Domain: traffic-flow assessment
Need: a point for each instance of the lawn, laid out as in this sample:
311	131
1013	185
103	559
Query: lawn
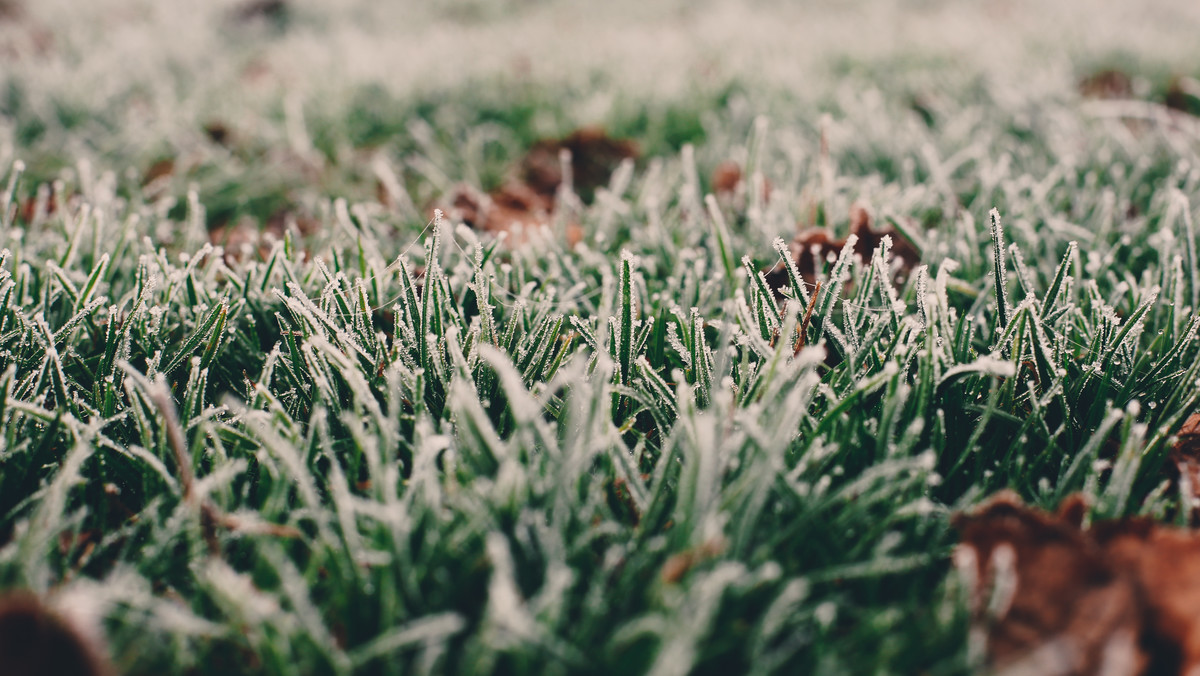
523	337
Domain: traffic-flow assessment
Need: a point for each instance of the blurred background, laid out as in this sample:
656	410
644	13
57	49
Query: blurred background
265	106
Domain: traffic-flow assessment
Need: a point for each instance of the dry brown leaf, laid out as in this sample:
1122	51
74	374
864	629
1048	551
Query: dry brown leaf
729	186
1185	459
814	247
239	242
527	201
219	133
156	181
36	641
1045	597
160	170
39	206
1183	94
1165	566
500	211
594	157
726	178
1109	83
1049	596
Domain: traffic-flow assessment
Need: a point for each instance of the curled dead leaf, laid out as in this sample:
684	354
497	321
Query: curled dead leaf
726	177
594	157
1042	590
219	133
1183	94
1050	596
1185	459
729	187
160	170
1164	564
36	641
528	200
512	209
813	248
1108	83
239	242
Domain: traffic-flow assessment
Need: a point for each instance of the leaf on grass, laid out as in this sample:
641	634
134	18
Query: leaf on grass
507	209
291	217
1165	566
247	239
45	203
36	641
219	133
726	178
1108	83
160	170
1183	94
813	247
729	185
528	199
1050	596
239	242
1185	458
594	157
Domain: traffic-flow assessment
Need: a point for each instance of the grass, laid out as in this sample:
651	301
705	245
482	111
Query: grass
393	445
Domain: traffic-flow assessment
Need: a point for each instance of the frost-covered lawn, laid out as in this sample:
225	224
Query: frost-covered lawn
376	440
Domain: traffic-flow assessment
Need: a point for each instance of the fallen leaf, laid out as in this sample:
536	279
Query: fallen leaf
36	641
729	187
1044	597
527	200
501	211
160	169
39	206
726	178
1049	596
813	248
218	133
1165	566
1185	459
594	157
239	242
1109	83
521	197
1183	94
290	217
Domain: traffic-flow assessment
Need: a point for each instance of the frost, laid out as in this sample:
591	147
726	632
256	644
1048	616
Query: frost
825	614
